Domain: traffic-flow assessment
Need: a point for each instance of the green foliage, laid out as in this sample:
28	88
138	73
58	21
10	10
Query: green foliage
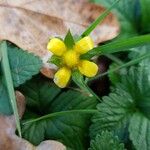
106	141
23	64
22	67
114	112
5	106
128	107
56	114
140	131
69	40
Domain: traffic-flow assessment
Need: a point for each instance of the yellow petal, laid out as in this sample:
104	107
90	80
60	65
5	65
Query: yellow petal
56	46
84	45
71	58
88	68
62	77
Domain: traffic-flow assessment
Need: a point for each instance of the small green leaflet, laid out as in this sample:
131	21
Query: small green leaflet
69	40
106	141
56	60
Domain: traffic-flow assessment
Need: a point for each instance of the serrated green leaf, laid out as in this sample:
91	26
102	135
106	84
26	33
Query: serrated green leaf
69	40
114	112
106	141
57	114
117	111
139	129
23	64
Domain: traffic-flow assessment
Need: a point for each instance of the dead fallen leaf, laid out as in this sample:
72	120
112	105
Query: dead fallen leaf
10	141
30	23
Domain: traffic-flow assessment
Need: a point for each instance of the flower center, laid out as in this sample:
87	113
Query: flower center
71	58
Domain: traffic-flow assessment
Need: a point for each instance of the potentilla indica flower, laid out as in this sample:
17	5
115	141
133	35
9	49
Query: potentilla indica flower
70	59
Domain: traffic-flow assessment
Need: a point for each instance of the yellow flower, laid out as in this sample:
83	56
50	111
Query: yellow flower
62	77
70	59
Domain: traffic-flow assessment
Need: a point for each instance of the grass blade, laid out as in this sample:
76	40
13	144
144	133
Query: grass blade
98	20
9	83
122	45
61	113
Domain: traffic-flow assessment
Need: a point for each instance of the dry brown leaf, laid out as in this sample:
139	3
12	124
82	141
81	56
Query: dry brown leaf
10	141
30	23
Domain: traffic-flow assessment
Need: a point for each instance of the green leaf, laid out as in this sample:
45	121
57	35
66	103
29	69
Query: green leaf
69	40
106	141
53	113
118	110
114	112
23	64
9	83
99	19
55	60
140	131
5	106
118	46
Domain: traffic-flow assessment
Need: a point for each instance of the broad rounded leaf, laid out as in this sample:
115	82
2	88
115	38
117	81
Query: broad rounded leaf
65	114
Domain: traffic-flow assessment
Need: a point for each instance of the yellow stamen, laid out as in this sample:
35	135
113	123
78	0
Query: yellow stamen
56	46
71	58
62	77
84	45
88	68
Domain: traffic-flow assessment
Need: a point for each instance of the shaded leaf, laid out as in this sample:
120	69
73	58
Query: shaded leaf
140	131
23	64
60	112
9	140
106	141
114	112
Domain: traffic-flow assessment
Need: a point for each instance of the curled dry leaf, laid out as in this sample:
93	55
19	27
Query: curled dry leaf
30	23
10	141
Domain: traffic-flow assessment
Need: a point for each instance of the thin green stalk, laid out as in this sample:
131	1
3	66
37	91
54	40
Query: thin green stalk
132	62
98	20
61	113
114	59
118	46
9	83
79	80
